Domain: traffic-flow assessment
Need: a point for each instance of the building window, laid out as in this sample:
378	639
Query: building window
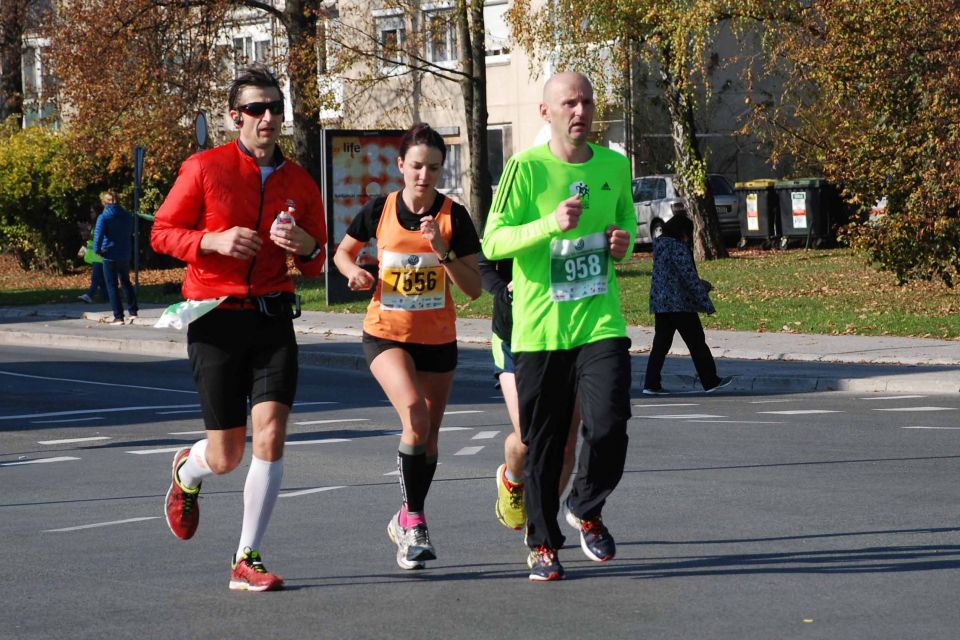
391	38
450	179
497	30
243	51
31	78
498	150
441	36
261	52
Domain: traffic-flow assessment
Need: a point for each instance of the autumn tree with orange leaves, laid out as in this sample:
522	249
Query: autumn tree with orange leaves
872	99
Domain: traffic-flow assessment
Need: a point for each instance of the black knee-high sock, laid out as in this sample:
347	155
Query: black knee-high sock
414	475
431	468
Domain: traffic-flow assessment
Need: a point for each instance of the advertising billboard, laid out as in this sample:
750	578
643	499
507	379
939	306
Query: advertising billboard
359	165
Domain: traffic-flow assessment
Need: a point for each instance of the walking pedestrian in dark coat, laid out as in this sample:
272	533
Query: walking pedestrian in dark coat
677	296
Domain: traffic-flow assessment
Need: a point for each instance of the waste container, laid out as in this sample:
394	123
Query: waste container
758	210
810	209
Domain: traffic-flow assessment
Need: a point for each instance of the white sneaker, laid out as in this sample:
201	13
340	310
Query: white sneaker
85	298
413	544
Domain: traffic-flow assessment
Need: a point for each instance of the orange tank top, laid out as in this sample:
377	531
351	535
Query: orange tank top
412	302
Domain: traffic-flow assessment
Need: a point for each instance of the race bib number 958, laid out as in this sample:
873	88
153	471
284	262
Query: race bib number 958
579	267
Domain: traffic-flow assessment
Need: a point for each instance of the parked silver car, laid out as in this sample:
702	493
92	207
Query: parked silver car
656	200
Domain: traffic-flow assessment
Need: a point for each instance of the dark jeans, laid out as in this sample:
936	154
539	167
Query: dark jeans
112	270
547	385
690	329
96	282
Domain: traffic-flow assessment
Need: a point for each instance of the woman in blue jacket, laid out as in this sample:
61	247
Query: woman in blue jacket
677	296
112	241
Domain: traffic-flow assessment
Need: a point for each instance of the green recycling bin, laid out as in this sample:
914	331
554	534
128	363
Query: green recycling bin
810	210
758	209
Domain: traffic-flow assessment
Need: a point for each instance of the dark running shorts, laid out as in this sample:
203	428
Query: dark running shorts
241	358
429	358
502	356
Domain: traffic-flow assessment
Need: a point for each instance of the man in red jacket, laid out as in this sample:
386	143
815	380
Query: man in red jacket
222	218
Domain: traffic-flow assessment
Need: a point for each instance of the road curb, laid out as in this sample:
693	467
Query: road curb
476	372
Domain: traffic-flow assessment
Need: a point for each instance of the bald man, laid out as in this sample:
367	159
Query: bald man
564	212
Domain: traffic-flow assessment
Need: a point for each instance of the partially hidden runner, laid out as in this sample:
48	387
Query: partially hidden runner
497	277
426	243
234	215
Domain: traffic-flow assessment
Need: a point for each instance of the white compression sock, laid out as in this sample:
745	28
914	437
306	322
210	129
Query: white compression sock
195	469
259	496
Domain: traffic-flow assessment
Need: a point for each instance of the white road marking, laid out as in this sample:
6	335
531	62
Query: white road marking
72	440
186	433
460	413
739	421
100	524
71	420
681	416
103	384
290	443
486	435
918	409
147	452
80	412
654	405
468	451
303	492
170	413
456	428
891	398
936	428
304	404
395	472
800	412
307	422
38	461
771	401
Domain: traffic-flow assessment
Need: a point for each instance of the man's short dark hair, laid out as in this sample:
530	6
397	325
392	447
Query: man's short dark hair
253	76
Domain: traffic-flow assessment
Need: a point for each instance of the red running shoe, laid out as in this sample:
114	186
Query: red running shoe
249	574
181	508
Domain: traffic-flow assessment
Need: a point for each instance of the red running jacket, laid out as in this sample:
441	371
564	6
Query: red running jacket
219	189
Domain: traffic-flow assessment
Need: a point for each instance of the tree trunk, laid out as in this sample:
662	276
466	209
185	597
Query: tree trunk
690	167
12	19
474	88
300	19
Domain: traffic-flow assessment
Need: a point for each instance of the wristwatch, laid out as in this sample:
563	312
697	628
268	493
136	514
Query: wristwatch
448	256
313	254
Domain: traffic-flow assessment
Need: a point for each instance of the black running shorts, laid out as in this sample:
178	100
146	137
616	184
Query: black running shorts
429	358
241	358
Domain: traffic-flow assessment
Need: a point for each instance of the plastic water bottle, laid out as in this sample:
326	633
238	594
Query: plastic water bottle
286	217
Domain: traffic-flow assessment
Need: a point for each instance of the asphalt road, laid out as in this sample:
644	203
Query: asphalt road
825	515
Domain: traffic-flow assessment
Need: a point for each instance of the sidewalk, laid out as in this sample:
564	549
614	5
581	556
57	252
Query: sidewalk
760	362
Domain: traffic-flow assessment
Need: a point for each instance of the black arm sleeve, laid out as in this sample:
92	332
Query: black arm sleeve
465	241
364	225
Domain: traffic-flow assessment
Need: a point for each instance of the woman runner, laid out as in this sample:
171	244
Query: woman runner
425	243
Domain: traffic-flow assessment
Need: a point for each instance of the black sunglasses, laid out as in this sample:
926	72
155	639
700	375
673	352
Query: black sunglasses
257	109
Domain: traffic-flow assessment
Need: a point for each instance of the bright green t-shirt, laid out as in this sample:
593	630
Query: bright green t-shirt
565	290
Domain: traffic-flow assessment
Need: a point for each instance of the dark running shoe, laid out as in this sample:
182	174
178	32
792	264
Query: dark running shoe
723	382
544	565
181	508
596	541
